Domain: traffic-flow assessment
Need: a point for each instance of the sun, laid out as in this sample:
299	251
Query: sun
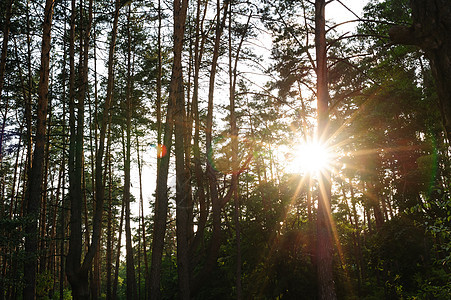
310	157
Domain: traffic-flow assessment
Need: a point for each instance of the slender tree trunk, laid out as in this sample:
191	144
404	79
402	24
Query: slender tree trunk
109	242
358	251
43	246
99	182
95	280
53	252
159	74
143	226
3	55
73	260
118	253
35	181
27	106
96	272
161	209
188	136
234	143
62	216
77	272
63	196
324	249
130	264
3	67
16	166
161	201
212	180
177	97
200	194
2	133
28	115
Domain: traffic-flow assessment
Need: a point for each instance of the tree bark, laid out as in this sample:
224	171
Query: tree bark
215	242
118	253
177	97
77	273
131	288
109	242
198	173
324	247
28	108
161	201
43	246
161	206
234	146
142	224
161	209
159	74
35	180
3	65
73	259
5	44
63	167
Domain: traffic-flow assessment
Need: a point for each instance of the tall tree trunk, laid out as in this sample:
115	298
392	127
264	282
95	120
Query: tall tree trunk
43	211
118	253
200	194
130	264
161	209
76	272
159	74
212	180
234	143
177	97
28	113
35	180
109	234
73	258
100	184
2	71
63	196
5	45
16	166
324	248
142	224
53	252
62	223
2	133
95	280
3	67
161	199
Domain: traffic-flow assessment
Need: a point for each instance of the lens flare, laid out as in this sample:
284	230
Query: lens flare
161	150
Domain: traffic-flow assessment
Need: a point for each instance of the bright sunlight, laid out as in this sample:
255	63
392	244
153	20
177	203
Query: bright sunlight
311	157
308	157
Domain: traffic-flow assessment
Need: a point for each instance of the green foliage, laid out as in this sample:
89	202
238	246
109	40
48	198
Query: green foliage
67	295
44	284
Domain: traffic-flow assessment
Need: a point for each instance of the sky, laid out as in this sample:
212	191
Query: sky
337	12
